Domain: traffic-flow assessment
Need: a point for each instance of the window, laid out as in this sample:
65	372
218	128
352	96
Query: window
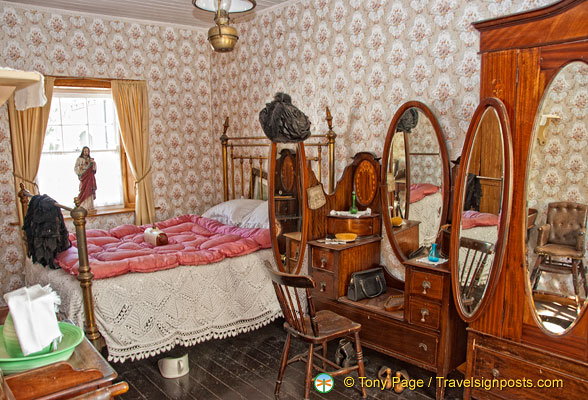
82	116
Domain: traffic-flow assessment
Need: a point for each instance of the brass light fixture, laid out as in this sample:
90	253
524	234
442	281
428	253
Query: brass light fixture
222	36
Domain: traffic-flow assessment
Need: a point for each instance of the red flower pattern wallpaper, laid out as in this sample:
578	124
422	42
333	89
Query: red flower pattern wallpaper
362	58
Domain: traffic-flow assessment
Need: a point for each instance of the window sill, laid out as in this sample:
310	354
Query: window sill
105	211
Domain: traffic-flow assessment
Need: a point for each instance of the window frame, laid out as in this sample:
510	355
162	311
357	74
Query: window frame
127	178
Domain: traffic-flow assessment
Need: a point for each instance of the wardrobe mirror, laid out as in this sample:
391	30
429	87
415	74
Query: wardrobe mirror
557	198
416	172
483	193
287	199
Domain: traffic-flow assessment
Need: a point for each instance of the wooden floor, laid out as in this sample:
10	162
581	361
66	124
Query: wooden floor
245	367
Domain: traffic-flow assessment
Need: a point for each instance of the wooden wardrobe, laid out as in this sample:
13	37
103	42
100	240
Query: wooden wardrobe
520	55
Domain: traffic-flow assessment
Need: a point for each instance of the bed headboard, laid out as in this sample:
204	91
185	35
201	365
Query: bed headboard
242	161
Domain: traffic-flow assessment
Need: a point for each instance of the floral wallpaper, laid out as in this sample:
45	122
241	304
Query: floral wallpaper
362	58
558	169
422	141
175	62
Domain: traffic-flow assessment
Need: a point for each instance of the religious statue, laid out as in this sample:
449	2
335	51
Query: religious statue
86	170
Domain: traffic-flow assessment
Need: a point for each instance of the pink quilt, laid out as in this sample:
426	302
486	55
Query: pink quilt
418	191
471	219
193	240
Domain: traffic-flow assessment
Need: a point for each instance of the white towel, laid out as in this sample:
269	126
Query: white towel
33	313
367	211
425	260
31	96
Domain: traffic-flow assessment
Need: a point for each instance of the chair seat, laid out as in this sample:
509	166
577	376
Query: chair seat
559	250
330	325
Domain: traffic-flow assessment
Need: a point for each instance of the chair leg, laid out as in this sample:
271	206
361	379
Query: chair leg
582	270
308	380
360	365
536	272
284	363
324	355
575	278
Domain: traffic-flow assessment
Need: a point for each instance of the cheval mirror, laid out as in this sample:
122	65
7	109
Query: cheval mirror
287	200
415	172
483	193
557	198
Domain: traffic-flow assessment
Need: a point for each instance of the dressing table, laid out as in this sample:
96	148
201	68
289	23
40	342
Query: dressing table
426	331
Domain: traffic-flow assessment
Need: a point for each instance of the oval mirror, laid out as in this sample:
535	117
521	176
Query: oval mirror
483	193
557	198
416	175
287	199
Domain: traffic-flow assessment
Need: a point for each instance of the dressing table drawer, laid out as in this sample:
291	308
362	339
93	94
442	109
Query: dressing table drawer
341	260
324	281
424	313
422	347
426	284
323	259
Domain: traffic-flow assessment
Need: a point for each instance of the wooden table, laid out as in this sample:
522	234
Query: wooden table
84	371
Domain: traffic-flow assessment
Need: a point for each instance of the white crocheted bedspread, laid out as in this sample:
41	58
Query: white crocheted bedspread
428	212
144	314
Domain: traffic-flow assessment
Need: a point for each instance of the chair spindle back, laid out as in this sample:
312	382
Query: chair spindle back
473	265
288	289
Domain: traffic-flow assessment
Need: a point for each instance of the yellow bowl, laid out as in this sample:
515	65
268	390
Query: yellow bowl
348	237
396	221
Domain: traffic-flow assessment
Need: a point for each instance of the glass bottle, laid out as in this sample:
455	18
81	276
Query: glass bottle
434	254
353	209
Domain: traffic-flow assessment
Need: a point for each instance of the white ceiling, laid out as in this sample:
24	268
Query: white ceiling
165	11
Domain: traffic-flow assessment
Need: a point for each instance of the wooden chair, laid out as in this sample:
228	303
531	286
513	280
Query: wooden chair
563	237
316	328
471	270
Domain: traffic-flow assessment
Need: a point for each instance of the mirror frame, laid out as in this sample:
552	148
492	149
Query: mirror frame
385	164
506	203
301	161
532	143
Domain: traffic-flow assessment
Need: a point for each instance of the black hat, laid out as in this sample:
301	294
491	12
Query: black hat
282	122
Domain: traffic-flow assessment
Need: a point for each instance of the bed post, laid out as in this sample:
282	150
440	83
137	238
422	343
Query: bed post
78	215
331	146
224	141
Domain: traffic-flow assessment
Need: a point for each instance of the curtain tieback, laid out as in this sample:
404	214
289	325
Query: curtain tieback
137	181
26	180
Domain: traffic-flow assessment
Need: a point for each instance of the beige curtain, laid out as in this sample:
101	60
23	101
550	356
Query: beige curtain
132	108
27	131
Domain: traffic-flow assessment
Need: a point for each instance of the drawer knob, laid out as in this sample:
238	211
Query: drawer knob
423	346
495	372
424	314
323	286
323	262
426	286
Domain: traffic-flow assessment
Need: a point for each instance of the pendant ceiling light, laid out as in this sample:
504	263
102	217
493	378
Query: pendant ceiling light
222	36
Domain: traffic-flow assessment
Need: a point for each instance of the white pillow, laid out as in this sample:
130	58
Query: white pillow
233	211
258	218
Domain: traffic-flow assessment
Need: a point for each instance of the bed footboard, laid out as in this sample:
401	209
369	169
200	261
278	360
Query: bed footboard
85	276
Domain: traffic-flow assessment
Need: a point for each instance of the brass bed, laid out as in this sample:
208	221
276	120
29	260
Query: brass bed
235	157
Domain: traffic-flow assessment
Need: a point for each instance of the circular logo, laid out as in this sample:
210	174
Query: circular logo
323	383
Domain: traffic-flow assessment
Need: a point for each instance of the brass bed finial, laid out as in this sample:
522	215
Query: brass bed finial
331	135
